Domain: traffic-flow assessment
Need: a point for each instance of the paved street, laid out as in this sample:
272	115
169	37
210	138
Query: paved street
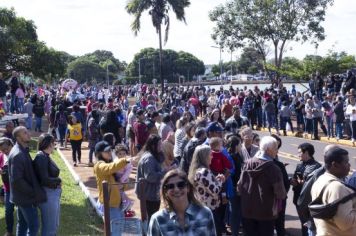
288	154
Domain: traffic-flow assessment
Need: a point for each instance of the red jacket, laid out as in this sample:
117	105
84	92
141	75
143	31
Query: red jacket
141	133
219	162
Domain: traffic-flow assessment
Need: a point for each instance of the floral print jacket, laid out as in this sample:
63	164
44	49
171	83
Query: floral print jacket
207	188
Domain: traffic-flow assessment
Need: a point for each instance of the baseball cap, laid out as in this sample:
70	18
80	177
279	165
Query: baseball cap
102	146
214	127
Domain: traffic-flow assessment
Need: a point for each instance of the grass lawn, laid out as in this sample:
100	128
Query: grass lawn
77	216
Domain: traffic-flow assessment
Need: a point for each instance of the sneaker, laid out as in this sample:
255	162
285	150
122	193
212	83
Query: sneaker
75	164
129	214
90	164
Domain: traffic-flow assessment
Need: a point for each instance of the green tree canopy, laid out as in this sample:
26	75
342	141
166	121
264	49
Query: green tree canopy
18	39
84	70
266	23
174	64
96	65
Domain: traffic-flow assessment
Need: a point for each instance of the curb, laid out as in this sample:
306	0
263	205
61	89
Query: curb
308	137
79	182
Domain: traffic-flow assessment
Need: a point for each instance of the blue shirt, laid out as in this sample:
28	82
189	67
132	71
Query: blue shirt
198	222
265	157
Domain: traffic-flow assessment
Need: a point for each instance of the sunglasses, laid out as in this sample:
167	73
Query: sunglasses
179	185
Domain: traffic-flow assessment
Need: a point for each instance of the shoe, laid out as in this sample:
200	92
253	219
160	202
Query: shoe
90	164
129	214
75	164
8	234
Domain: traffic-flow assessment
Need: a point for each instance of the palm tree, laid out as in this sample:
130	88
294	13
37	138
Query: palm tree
159	11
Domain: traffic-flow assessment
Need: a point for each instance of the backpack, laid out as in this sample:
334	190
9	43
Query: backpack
62	120
305	198
319	210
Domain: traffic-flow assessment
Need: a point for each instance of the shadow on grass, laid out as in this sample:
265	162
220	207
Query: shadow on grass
75	220
80	220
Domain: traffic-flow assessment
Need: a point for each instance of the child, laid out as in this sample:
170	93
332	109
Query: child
219	162
75	136
123	177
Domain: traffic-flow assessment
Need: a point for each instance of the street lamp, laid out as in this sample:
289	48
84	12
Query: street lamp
107	74
220	49
139	68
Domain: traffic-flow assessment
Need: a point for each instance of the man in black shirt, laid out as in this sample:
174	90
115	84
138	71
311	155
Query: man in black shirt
26	192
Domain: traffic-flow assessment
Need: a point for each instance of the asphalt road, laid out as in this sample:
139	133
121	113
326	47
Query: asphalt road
288	153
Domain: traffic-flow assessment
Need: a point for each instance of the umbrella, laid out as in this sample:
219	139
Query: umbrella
234	101
194	101
69	84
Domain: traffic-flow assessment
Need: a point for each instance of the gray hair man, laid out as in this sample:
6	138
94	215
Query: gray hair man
261	189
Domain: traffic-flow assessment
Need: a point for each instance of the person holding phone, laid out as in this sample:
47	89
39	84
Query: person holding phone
308	165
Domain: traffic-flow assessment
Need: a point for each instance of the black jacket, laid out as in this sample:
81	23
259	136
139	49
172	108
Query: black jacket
3	88
24	186
285	176
304	169
46	170
339	113
188	154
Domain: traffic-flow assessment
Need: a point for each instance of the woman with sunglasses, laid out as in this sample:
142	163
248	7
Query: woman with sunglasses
182	213
48	175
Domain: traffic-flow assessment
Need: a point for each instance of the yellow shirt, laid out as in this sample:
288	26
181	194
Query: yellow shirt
104	171
75	132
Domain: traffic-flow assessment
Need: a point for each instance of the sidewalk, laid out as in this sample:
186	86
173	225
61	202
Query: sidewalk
87	177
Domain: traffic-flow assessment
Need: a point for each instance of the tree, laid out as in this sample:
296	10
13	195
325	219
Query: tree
18	41
159	11
84	70
250	61
47	62
264	23
174	64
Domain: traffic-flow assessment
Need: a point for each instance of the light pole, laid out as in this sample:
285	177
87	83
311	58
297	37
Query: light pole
107	74
231	65
220	62
139	69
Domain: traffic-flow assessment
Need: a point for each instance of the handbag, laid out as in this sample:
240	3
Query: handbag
319	210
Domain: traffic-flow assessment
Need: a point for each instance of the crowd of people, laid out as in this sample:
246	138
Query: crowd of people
206	171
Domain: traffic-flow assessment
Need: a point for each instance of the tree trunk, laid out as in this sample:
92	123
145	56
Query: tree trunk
160	59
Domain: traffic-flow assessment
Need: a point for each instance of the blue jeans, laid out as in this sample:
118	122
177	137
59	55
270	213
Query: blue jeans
9	213
271	119
50	212
308	126
259	116
38	123
27	221
236	214
353	129
13	104
4	103
339	130
29	122
330	125
62	132
20	103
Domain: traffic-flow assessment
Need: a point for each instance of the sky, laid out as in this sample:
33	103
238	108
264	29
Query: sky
83	26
